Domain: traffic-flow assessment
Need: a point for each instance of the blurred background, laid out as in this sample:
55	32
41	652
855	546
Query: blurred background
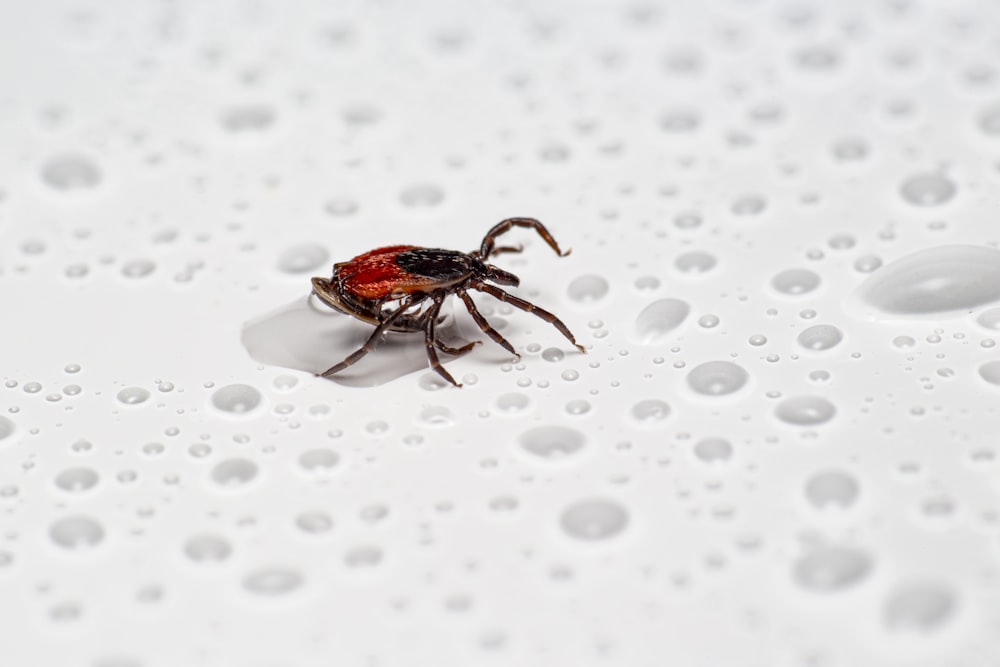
780	448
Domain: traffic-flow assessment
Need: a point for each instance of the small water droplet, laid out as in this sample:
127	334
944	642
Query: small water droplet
588	288
794	282
919	607
70	172
302	258
928	189
234	472
273	581
77	480
820	337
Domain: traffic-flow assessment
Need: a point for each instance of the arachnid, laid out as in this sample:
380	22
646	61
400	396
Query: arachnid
412	277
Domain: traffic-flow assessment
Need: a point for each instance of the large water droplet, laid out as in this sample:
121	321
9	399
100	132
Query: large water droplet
658	319
946	279
76	532
133	395
76	480
919	607
315	460
7	428
207	549
717	378
831	568
805	410
651	411
302	258
588	288
234	472
594	519
928	189
236	398
990	371
247	118
794	282
552	442
820	337
71	172
832	488
273	581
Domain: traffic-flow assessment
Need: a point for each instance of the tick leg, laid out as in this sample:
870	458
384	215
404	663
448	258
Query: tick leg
455	351
373	340
528	308
487	248
430	340
484	325
499	250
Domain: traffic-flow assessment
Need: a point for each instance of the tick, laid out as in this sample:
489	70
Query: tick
401	288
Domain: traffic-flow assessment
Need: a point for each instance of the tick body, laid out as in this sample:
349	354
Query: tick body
402	288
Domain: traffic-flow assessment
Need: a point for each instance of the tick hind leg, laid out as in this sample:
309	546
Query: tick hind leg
529	308
455	351
383	327
488	248
485	325
430	341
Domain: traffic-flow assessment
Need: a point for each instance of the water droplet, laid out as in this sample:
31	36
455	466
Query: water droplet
990	371
513	402
341	207
302	258
805	410
553	354
919	607
651	411
436	416
695	261
928	189
594	519
247	118
713	449
76	532
7	428
794	282
832	488
421	195
314	522
820	337
578	406
273	581
70	172
989	319
363	556
208	549
939	280
828	569
236	399
234	472
138	268
717	378
552	442
133	395
659	318
77	480
587	289
315	460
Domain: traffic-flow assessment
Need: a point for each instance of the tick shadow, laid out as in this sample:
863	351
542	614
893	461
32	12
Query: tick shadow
307	336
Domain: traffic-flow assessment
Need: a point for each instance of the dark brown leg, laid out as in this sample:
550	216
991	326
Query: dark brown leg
529	308
376	337
470	305
456	351
487	247
429	339
499	250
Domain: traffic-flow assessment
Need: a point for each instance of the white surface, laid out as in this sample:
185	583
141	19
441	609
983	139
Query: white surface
173	171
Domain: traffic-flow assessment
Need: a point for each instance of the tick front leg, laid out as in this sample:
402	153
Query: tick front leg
430	340
528	308
373	340
470	305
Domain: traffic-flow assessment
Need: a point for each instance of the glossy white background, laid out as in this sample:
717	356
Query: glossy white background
717	482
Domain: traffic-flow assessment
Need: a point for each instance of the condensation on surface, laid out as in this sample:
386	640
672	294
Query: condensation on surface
779	448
